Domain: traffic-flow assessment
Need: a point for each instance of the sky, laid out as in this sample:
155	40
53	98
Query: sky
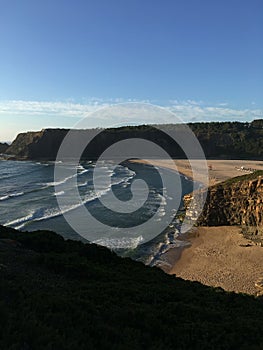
62	59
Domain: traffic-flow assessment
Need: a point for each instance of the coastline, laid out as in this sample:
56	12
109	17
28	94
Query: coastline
236	265
218	170
216	256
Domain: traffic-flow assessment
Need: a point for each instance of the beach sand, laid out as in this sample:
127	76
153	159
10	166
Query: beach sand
220	170
220	257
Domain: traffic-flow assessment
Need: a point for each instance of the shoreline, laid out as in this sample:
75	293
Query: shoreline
218	170
216	256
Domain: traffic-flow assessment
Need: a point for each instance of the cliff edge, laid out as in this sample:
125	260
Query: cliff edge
237	201
42	144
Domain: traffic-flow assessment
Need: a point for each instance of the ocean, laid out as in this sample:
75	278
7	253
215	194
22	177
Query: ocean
28	202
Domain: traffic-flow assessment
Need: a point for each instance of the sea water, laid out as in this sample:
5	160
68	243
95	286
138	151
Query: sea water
28	201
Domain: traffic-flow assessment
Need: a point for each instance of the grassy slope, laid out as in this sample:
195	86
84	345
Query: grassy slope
57	294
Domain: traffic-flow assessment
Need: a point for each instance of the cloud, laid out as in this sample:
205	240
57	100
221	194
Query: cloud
223	104
28	108
212	113
187	111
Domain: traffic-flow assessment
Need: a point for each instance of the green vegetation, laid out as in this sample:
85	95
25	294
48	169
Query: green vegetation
57	294
245	177
231	139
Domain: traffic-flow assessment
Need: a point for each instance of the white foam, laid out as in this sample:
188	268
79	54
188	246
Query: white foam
8	196
161	263
161	210
60	193
17	194
20	220
96	195
120	243
157	256
54	212
19	227
80	167
83	184
57	183
42	214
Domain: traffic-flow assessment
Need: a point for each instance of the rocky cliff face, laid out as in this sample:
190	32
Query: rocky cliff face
234	202
3	147
42	144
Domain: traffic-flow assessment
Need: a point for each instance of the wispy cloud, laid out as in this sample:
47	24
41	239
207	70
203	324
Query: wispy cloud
223	104
208	113
187	111
29	108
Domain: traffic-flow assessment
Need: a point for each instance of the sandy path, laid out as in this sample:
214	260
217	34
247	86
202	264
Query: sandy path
219	256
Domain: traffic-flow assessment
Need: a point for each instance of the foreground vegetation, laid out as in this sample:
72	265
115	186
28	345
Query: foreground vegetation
57	294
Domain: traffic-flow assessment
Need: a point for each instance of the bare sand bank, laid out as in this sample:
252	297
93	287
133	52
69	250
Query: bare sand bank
220	257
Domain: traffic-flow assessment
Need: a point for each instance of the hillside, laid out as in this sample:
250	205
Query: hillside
228	140
57	294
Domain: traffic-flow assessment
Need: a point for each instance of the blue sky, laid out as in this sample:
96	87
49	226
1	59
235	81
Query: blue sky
61	59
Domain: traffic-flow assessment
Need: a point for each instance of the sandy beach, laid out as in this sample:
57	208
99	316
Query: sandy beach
220	257
218	170
217	256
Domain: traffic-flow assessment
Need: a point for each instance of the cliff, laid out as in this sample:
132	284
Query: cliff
238	201
42	144
219	140
3	147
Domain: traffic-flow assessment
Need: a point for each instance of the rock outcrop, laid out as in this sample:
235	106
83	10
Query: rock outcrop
42	144
3	147
238	201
